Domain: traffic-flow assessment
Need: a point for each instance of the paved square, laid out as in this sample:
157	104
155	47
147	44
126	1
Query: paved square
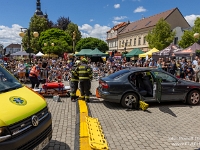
165	126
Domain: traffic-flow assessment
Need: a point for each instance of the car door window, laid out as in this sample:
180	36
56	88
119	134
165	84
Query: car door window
165	77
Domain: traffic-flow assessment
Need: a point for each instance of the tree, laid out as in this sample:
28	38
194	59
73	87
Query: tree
62	23
71	28
160	36
188	36
50	24
37	24
62	41
91	43
187	39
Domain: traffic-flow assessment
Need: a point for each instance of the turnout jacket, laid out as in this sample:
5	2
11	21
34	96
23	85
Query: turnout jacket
74	73
84	72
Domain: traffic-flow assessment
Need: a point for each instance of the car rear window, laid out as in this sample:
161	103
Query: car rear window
118	74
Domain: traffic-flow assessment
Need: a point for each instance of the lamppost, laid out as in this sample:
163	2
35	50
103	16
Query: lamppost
196	35
22	34
48	44
74	38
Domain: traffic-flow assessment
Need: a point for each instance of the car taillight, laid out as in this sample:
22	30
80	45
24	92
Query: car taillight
104	85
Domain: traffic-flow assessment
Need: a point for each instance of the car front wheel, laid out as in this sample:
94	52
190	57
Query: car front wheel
193	97
129	99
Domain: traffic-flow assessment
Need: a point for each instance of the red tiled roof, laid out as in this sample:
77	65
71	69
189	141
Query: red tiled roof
118	26
147	22
14	46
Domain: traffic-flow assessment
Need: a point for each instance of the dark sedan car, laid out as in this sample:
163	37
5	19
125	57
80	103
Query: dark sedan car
149	84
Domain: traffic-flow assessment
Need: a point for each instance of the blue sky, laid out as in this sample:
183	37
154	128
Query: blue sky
94	17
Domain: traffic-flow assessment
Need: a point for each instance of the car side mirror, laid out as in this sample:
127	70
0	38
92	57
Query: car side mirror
179	81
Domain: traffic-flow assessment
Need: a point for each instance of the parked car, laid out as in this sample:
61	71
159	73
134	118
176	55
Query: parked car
25	121
149	84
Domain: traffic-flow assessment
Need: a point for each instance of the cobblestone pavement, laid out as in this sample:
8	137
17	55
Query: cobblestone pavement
167	126
63	119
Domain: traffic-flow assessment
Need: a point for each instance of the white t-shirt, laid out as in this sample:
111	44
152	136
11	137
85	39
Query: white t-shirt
195	62
21	67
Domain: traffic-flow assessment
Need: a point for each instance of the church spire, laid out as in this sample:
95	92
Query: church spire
38	8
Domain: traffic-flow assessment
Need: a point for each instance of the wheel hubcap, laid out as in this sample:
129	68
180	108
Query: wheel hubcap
195	97
129	100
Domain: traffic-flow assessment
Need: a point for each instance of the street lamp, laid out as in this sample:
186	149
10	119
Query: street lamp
196	35
47	44
74	38
22	34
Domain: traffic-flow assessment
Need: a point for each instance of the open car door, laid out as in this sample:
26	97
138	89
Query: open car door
157	87
158	90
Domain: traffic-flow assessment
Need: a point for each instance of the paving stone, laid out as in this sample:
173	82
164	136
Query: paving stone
133	130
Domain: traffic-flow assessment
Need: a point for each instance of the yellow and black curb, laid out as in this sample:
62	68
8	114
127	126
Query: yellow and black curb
88	133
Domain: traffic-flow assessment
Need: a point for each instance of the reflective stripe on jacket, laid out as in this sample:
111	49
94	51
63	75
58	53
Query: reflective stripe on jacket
74	74
84	72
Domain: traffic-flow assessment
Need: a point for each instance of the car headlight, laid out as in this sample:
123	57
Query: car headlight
4	134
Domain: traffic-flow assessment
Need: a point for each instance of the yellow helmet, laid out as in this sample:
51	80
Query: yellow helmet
84	60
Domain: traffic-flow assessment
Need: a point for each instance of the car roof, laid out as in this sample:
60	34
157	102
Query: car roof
135	69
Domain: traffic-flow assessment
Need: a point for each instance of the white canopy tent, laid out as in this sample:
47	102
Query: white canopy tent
21	53
39	54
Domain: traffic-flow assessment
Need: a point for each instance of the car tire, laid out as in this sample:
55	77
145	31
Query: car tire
193	97
128	98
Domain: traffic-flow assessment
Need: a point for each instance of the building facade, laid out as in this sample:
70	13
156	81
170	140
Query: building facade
134	34
112	34
12	48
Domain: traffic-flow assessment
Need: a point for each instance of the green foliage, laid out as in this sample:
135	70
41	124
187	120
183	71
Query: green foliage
188	37
62	41
91	43
161	35
71	28
37	24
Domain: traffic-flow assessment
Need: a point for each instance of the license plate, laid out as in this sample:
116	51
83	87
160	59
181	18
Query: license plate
42	145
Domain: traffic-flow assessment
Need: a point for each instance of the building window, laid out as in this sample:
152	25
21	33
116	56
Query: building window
130	42
176	41
139	41
134	41
120	43
144	40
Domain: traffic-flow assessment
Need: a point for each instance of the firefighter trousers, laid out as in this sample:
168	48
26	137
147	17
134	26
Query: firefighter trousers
74	87
85	89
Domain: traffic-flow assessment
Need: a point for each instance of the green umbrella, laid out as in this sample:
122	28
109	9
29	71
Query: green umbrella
84	52
134	52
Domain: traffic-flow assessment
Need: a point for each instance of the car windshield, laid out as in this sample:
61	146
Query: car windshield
118	74
7	81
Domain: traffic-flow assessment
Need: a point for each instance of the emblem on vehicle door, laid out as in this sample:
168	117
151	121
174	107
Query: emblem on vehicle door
18	100
35	121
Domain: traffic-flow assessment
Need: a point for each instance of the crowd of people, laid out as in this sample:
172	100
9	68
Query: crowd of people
58	69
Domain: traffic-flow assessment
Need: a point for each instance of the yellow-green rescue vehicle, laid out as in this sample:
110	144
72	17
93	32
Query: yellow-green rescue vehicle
25	121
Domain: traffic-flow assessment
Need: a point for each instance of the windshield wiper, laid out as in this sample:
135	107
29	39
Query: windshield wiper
10	89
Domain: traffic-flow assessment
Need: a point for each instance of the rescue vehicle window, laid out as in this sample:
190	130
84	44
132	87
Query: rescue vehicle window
7	81
118	74
165	77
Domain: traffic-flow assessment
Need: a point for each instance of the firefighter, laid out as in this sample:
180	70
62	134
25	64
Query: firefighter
74	81
85	75
34	75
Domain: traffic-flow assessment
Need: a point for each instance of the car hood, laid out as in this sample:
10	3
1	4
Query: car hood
191	83
19	104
